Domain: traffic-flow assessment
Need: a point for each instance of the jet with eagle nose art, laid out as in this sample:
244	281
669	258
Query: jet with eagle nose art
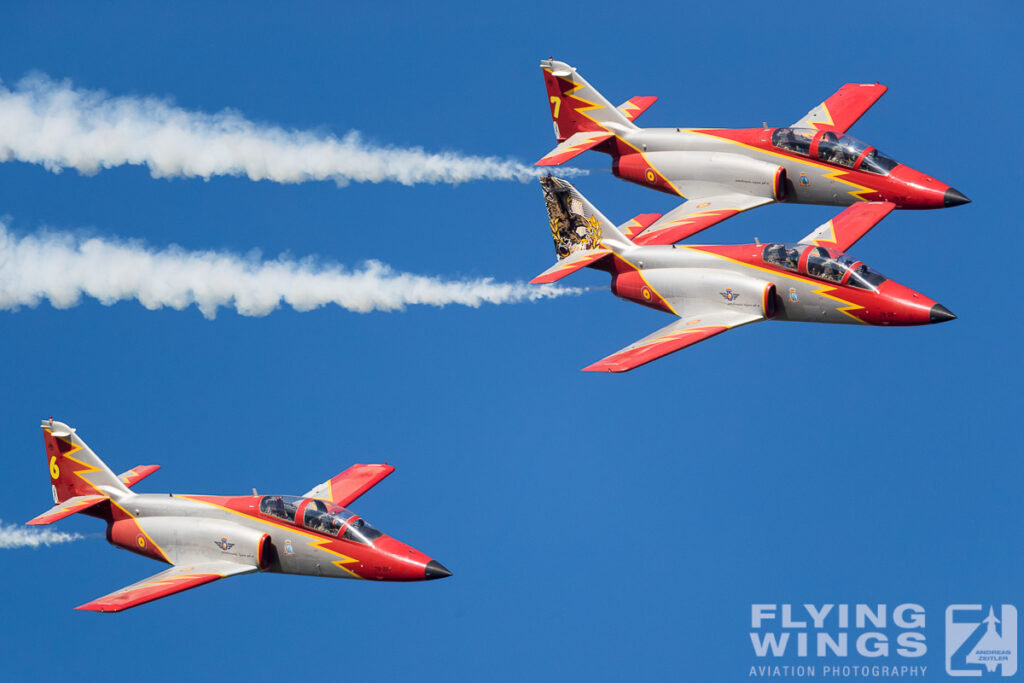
723	171
714	288
206	538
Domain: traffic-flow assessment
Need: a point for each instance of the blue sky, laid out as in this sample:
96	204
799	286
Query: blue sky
598	527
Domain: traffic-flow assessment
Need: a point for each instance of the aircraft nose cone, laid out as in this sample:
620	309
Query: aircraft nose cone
938	314
955	198
436	570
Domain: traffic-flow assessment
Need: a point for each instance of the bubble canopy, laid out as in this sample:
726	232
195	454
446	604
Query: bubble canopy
822	264
833	148
321	516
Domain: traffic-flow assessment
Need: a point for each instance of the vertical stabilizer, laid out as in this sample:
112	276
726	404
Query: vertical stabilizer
576	224
74	469
576	106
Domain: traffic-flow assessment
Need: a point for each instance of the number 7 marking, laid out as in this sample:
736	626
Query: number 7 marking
557	102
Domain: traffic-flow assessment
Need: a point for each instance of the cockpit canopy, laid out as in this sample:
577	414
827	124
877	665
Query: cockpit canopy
832	148
321	516
822	264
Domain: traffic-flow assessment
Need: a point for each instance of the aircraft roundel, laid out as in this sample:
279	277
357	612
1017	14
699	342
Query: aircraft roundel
649	174
646	293
140	541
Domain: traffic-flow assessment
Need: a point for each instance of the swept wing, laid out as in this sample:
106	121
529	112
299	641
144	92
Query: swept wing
576	144
570	264
696	214
65	509
174	580
137	474
685	331
842	110
635	106
843	231
350	484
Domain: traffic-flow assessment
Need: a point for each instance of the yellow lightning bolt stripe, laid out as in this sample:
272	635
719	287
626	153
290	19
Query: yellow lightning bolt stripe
573	150
581	110
672	336
822	289
628	227
833	173
316	542
579	263
138	525
77	505
682	221
828	122
340	564
86	469
832	231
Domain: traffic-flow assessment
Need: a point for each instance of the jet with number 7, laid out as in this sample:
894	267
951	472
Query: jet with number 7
723	171
714	288
206	538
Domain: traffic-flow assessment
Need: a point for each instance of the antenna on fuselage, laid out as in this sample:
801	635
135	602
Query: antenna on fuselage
254	491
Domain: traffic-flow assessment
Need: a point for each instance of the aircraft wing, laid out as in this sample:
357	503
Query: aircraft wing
684	332
137	474
696	214
65	509
635	106
350	484
843	231
842	110
576	144
174	580
570	264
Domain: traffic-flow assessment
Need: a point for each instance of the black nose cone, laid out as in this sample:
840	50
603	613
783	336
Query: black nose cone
955	198
938	314
436	570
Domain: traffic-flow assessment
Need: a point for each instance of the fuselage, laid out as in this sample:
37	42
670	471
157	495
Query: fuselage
795	282
800	165
286	534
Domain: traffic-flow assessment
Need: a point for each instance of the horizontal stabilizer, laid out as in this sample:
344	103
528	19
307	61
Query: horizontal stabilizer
638	224
696	214
174	580
842	110
634	106
137	474
66	509
576	144
570	264
678	335
350	484
843	231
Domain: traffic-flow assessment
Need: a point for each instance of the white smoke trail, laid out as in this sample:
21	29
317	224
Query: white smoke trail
15	536
60	268
51	123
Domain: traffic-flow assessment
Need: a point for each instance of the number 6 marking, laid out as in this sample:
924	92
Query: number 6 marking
557	102
54	470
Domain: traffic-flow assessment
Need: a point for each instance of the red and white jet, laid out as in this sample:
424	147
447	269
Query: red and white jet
714	288
206	538
723	171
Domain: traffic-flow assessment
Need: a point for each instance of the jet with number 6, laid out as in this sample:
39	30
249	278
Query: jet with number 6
206	538
714	288
723	171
